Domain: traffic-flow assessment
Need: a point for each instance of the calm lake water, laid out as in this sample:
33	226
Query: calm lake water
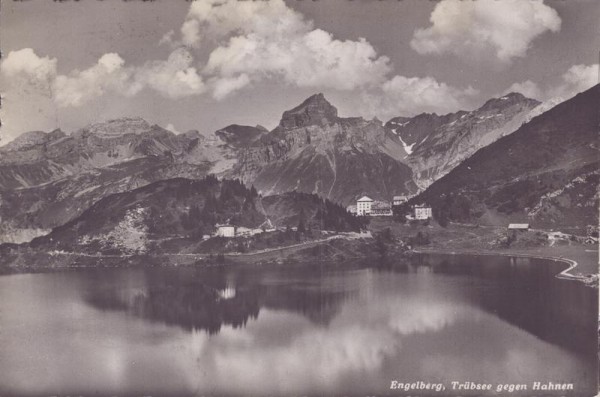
316	330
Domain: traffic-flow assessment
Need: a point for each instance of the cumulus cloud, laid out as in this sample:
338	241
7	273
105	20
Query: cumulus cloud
252	42
411	95
259	40
267	39
173	78
25	65
527	88
576	79
503	28
167	38
225	86
219	18
313	60
190	33
78	87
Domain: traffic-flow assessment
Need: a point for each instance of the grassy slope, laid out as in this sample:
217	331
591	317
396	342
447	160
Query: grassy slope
457	238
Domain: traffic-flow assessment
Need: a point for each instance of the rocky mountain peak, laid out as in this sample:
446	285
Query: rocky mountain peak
508	100
315	110
26	139
33	138
120	126
240	135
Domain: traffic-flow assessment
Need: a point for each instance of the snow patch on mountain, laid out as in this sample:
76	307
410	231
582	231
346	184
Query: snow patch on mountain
408	148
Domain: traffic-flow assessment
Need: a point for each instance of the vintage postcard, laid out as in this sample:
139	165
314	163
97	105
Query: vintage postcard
299	198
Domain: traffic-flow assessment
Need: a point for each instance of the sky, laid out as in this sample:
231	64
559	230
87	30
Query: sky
206	64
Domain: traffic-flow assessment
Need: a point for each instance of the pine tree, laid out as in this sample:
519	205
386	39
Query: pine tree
301	222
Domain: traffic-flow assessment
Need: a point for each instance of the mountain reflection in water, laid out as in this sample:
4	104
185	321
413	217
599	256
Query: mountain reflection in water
202	300
317	330
208	300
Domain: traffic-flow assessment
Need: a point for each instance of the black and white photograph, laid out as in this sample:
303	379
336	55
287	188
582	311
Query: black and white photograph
299	198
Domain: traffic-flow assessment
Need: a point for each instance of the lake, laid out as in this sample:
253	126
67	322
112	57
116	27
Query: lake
324	329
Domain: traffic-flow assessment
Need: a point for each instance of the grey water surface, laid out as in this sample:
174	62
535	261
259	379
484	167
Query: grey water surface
322	329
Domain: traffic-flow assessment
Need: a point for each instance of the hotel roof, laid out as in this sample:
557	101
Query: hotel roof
518	226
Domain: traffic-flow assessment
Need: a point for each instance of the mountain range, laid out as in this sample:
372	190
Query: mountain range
49	179
314	150
546	172
436	144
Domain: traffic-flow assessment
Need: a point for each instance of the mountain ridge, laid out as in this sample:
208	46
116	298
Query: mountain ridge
436	144
47	179
546	172
313	150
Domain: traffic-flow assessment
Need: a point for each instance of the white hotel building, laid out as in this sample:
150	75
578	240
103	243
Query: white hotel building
363	205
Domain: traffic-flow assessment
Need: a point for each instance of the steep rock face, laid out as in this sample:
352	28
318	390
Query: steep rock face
30	162
437	144
240	136
413	131
32	139
24	161
545	172
46	179
315	151
315	110
119	127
